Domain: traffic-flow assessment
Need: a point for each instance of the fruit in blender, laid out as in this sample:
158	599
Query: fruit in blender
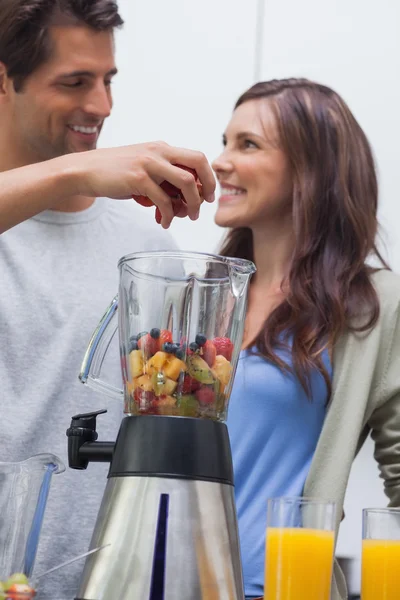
205	396
224	347
181	379
148	345
188	405
222	369
174	367
155	363
199	369
136	362
144	382
162	385
209	352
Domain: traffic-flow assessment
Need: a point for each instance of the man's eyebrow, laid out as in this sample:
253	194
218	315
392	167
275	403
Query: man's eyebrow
110	73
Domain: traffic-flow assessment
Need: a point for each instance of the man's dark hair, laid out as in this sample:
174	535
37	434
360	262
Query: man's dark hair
24	25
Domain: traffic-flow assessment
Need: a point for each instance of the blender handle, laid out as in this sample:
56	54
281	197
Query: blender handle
96	351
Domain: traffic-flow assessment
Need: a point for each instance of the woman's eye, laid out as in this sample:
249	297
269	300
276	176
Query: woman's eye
249	144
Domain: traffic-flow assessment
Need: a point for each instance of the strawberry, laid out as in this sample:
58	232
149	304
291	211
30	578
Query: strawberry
205	396
176	207
209	352
148	344
143	200
173	192
224	347
165	336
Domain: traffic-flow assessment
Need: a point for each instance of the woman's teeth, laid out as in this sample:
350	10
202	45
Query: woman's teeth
231	192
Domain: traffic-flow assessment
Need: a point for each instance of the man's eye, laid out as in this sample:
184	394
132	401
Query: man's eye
73	84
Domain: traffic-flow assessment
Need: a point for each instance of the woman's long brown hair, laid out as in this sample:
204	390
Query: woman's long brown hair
335	197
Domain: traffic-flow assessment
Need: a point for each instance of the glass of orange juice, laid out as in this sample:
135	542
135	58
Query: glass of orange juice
380	563
299	549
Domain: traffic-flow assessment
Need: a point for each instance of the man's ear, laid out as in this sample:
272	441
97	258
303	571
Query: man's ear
4	80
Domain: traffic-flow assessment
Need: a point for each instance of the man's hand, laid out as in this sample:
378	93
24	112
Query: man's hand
122	172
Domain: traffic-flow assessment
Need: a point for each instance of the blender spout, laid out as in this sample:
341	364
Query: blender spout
240	272
83	446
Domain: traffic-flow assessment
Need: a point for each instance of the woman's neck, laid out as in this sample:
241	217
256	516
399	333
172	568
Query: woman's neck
272	250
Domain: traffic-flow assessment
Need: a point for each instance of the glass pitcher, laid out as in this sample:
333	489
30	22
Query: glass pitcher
180	322
24	488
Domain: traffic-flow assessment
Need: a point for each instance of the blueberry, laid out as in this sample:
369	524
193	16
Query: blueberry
133	345
174	348
194	347
200	339
155	333
180	353
141	334
133	338
168	347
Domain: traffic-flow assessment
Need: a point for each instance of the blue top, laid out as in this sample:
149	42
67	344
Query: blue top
274	428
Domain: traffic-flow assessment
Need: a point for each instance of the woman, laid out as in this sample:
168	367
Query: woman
320	363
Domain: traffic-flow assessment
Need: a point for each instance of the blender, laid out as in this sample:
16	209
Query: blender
24	489
167	518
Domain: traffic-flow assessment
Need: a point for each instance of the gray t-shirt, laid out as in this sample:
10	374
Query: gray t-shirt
58	273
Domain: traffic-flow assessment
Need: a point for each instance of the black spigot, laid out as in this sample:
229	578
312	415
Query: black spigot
82	445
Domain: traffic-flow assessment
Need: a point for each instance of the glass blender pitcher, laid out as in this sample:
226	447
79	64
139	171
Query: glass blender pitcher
24	488
167	518
180	320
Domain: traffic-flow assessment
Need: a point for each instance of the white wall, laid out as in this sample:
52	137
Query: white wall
183	64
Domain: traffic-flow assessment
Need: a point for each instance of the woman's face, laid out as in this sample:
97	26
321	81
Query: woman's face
253	172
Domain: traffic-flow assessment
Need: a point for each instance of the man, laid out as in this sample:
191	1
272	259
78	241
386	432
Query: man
61	239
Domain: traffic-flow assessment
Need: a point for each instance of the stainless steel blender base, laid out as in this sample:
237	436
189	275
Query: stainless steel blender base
170	539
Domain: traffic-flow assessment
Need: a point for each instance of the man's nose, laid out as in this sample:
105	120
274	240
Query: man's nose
99	101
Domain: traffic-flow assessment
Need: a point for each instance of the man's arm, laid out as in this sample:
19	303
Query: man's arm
117	173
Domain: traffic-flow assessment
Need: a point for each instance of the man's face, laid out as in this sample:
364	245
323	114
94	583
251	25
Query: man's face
62	105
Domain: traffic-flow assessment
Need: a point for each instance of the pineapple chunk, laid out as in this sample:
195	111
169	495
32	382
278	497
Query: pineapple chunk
156	362
144	382
173	367
136	363
222	369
